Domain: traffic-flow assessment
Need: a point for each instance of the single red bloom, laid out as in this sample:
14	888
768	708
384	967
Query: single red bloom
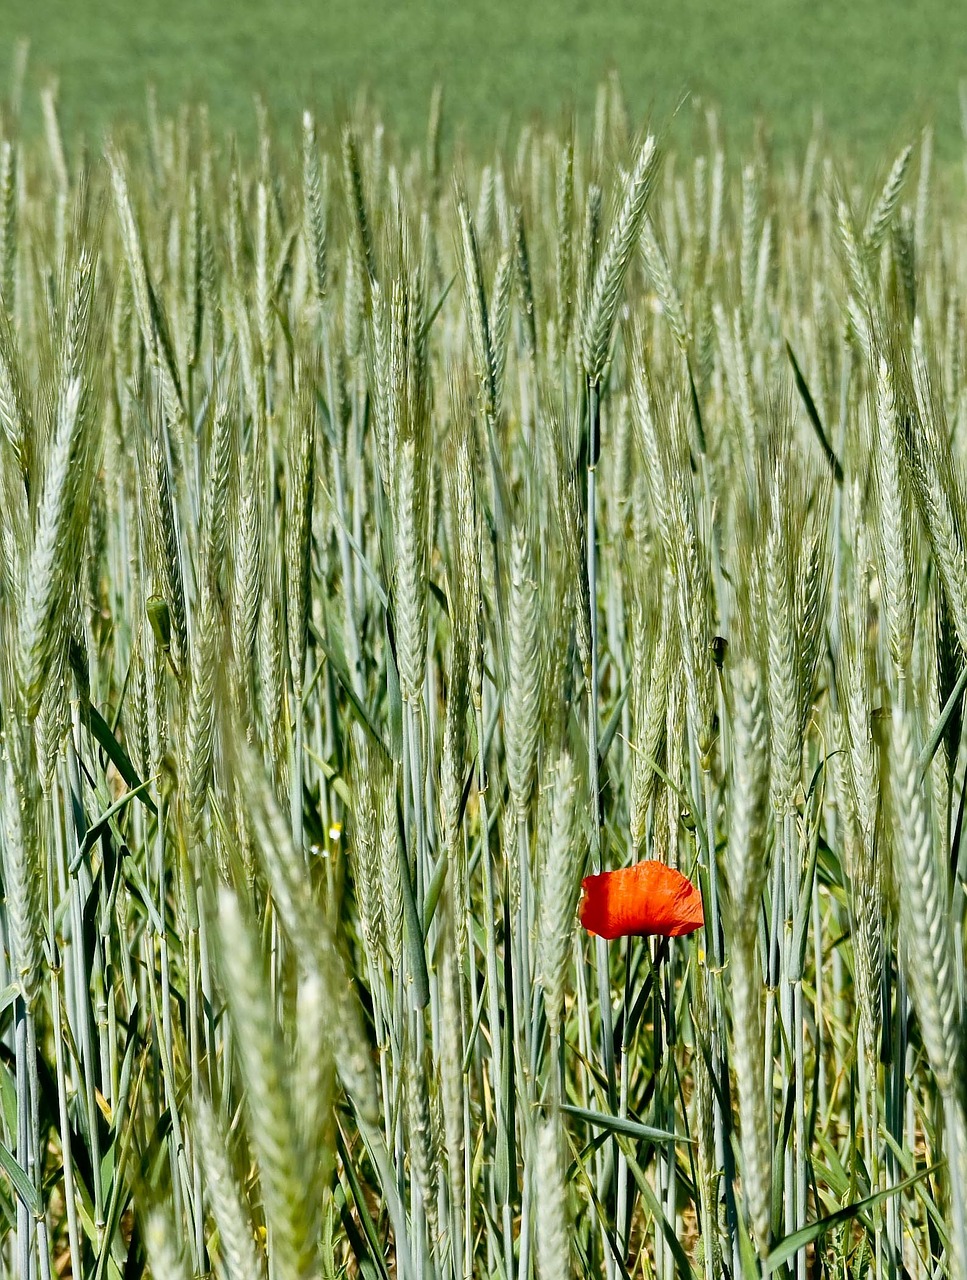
648	898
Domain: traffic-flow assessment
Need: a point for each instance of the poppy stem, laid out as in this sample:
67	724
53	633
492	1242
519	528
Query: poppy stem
621	1189
601	950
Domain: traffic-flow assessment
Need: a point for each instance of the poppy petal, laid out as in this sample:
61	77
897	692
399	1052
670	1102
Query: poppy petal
648	898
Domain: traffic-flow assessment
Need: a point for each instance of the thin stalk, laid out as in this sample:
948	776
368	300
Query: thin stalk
73	1234
25	1155
601	947
523	986
493	1005
719	1045
801	1152
423	869
198	1235
351	629
524	925
956	1137
621	1180
296	768
36	1162
82	1010
787	1056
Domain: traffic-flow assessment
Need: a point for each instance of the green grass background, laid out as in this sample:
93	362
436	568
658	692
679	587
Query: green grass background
877	70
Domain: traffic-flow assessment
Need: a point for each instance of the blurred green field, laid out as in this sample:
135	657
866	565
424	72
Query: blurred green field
877	70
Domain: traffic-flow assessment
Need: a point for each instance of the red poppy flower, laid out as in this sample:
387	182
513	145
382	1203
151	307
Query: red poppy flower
648	898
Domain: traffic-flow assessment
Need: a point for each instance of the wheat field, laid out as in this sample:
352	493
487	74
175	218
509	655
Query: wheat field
388	539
